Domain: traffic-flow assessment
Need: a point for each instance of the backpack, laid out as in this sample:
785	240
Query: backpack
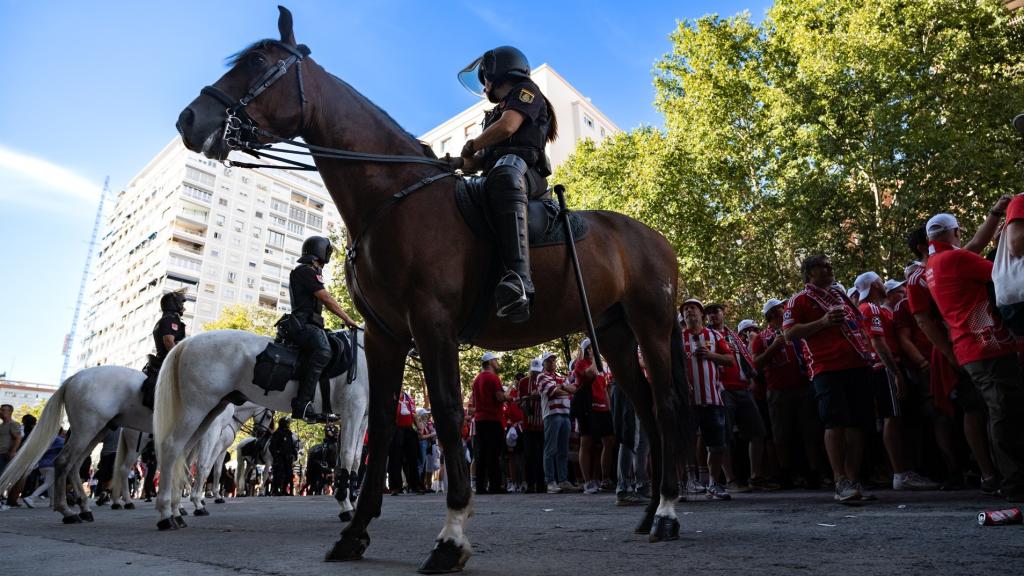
275	366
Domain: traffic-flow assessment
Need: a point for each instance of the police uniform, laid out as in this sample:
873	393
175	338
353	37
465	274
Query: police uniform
170	324
528	141
305	281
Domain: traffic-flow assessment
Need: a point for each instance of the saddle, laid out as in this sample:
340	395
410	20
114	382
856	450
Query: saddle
545	229
281	361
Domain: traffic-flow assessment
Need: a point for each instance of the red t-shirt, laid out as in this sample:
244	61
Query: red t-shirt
903	319
598	385
511	411
532	411
485	397
406	411
732	376
877	321
1015	211
958	281
782	369
704	375
828	350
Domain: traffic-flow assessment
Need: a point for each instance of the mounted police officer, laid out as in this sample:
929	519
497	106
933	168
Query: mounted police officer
308	298
510	151
166	334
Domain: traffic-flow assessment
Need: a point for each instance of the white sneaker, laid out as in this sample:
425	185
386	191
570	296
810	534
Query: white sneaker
695	487
4	507
718	492
591	488
912	481
28	501
567	486
553	488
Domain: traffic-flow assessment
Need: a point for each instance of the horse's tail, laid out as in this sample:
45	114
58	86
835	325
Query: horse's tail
38	441
679	383
167	406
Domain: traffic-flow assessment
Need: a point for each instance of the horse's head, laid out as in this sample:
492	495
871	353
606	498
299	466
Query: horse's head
227	113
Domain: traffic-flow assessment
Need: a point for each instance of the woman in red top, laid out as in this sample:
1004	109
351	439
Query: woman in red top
596	423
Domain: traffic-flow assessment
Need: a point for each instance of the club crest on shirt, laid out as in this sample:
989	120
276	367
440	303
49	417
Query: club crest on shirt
525	96
174	326
876	321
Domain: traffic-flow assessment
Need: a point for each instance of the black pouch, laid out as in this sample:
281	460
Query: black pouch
275	366
289	328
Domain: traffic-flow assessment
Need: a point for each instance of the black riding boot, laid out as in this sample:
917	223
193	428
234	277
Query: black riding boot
506	191
318	355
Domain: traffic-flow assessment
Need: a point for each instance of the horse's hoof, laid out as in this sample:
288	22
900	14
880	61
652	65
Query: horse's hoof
72	519
345	516
348	548
201	512
447	556
219	501
129	506
182	512
115	506
664	528
180	522
86	516
644	527
166	524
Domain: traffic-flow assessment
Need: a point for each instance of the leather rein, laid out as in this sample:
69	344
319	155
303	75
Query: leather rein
243	134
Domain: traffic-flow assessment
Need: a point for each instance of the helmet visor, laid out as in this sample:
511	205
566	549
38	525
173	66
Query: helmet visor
472	78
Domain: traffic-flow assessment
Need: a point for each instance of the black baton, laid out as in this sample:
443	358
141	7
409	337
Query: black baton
564	215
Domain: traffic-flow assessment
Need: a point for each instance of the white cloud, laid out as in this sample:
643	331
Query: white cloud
33	181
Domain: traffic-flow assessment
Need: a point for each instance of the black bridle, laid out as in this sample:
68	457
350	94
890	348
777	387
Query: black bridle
243	134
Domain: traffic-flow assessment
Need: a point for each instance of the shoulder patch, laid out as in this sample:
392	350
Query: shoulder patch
174	326
525	96
319	278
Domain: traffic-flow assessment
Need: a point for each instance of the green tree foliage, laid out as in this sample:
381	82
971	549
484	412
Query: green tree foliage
248	318
833	126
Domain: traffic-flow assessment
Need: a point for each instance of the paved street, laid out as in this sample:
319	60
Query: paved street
781	533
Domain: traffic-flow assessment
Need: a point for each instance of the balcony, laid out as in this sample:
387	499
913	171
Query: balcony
194	235
193	193
197	217
187	247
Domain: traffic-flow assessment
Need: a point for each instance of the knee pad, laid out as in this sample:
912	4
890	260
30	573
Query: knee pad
507	179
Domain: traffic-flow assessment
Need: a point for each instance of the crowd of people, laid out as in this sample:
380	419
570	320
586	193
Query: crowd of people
909	384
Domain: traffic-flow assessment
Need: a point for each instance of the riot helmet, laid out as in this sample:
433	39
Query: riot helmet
173	302
316	247
495	65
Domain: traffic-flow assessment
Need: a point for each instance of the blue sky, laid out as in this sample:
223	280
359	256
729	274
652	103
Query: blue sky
93	89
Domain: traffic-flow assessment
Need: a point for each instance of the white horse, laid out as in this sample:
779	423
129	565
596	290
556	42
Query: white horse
207	456
204	371
249	454
95	399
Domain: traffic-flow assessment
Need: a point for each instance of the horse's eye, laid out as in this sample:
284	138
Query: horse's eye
258	60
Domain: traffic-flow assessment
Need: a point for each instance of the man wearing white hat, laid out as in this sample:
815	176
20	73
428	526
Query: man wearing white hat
556	394
895	291
533	428
958	282
892	393
488	398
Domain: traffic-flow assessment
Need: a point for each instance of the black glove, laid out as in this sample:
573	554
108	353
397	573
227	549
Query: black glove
468	149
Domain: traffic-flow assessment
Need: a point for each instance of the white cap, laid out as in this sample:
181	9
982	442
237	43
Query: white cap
863	283
940	223
851	292
891	285
771	304
421	411
839	286
585	344
536	365
545	355
745	324
488	356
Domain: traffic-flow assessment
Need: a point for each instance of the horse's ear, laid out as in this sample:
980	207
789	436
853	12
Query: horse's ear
284	25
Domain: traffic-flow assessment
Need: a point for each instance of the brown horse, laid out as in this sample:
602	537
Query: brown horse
419	268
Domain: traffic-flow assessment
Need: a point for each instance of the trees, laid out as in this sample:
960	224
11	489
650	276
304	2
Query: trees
833	126
248	318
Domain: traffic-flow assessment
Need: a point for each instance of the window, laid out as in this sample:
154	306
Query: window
252	264
278	220
239	226
245	179
278	205
219	220
232	277
272	270
297	214
446	145
215	253
315	221
259	215
229	293
275	238
602	132
204	178
216	235
209	288
236	241
197	193
295	228
257	232
472	130
588	121
222	201
250	282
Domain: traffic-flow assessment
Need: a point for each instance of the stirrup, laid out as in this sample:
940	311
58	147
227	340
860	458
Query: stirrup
311	417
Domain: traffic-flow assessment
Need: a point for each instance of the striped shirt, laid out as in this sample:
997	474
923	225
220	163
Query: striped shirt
547	382
704	375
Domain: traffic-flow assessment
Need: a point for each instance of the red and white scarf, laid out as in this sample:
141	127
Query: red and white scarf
852	328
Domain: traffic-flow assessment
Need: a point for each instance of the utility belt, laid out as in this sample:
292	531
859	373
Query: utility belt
533	157
291	327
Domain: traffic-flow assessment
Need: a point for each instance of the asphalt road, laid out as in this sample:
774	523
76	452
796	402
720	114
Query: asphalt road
778	533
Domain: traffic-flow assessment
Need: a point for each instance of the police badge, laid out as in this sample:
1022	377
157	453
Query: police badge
525	96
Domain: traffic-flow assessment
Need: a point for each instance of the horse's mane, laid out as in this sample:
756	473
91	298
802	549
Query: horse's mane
271	43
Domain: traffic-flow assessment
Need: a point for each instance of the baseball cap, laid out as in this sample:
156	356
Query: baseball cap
544	357
771	304
863	283
851	292
714	306
940	223
745	324
536	364
488	356
585	344
892	284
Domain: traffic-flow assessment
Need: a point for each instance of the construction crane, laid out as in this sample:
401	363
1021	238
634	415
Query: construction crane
69	340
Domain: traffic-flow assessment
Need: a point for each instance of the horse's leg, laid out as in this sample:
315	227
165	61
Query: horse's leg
654	334
385	363
619	347
126	456
440	356
173	450
74	450
352	398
